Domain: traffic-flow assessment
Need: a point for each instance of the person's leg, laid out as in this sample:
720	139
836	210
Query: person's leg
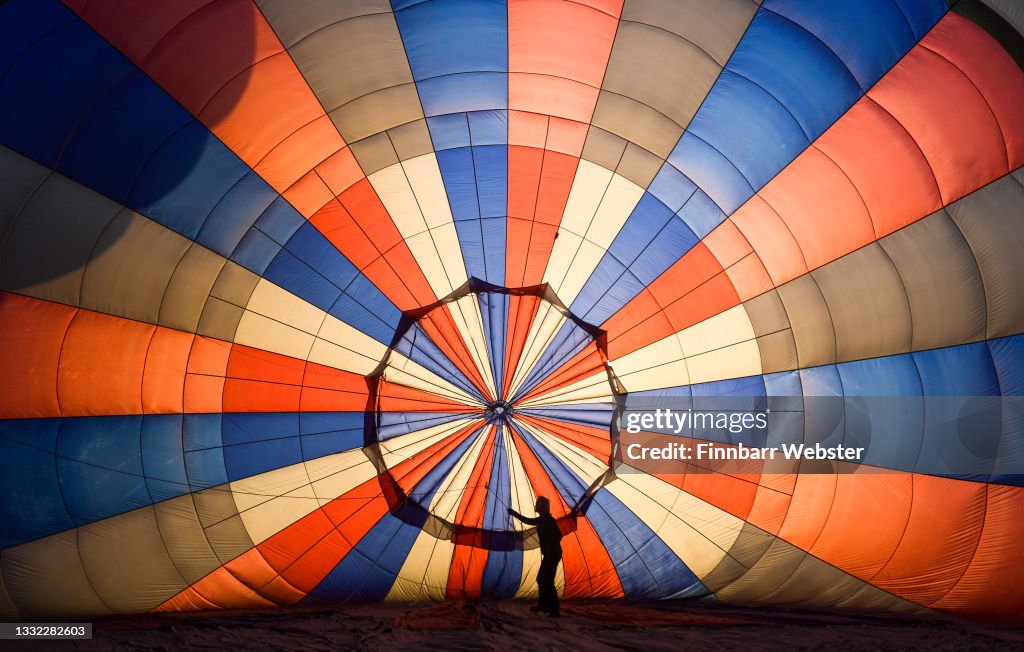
549	590
542	597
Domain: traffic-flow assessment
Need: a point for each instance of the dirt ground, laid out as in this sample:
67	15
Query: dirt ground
509	625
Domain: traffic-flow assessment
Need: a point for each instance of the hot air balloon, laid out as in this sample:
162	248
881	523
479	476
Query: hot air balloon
298	298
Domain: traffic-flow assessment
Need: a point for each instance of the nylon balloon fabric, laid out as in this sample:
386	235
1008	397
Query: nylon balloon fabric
298	298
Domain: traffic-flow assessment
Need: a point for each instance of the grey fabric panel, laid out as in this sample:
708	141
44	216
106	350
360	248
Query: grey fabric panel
377	112
32	569
235	284
638	165
8	610
374	43
943	285
1011	10
991	221
774	337
749	546
374	153
293	21
636	122
127	562
868	304
224	528
411	139
603	148
189	287
53	238
665	78
134	261
185	540
811	322
219	319
716	31
21	176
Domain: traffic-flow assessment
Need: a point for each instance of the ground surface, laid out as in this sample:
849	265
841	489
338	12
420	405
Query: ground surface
509	625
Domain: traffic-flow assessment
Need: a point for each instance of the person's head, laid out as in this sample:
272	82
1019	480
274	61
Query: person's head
543	506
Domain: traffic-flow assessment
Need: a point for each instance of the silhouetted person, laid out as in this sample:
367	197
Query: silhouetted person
551	554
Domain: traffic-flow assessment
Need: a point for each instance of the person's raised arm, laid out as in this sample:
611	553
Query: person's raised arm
524	519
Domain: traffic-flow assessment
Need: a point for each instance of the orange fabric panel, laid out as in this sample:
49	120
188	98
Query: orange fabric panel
30	348
473	501
588	569
595	441
584	364
340	171
247	91
993	72
308	195
260	396
245	362
466	572
164	377
962	140
288	161
826	214
585	561
527	129
524	166
771	239
204	382
567	137
91	379
568	45
469	559
892	176
187	600
992	587
441	329
924	566
521	312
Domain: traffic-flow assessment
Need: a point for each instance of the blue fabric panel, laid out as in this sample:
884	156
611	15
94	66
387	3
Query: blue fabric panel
249	427
33	506
502	574
326	433
24	22
163	459
499	494
783	383
185	179
204	456
280	221
488	127
471	242
449	131
255	251
468	91
1008	359
368	571
113	142
671	187
750	127
310	246
701	214
647	567
595	415
57	81
443	38
491	163
460	182
888	376
365	308
100	466
494	249
290	273
718	177
225	226
418	347
869	36
458	53
248	459
965	370
494	313
568	341
396	424
428	486
798	70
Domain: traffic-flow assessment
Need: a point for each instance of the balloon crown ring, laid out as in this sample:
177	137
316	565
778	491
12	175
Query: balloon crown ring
494	419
